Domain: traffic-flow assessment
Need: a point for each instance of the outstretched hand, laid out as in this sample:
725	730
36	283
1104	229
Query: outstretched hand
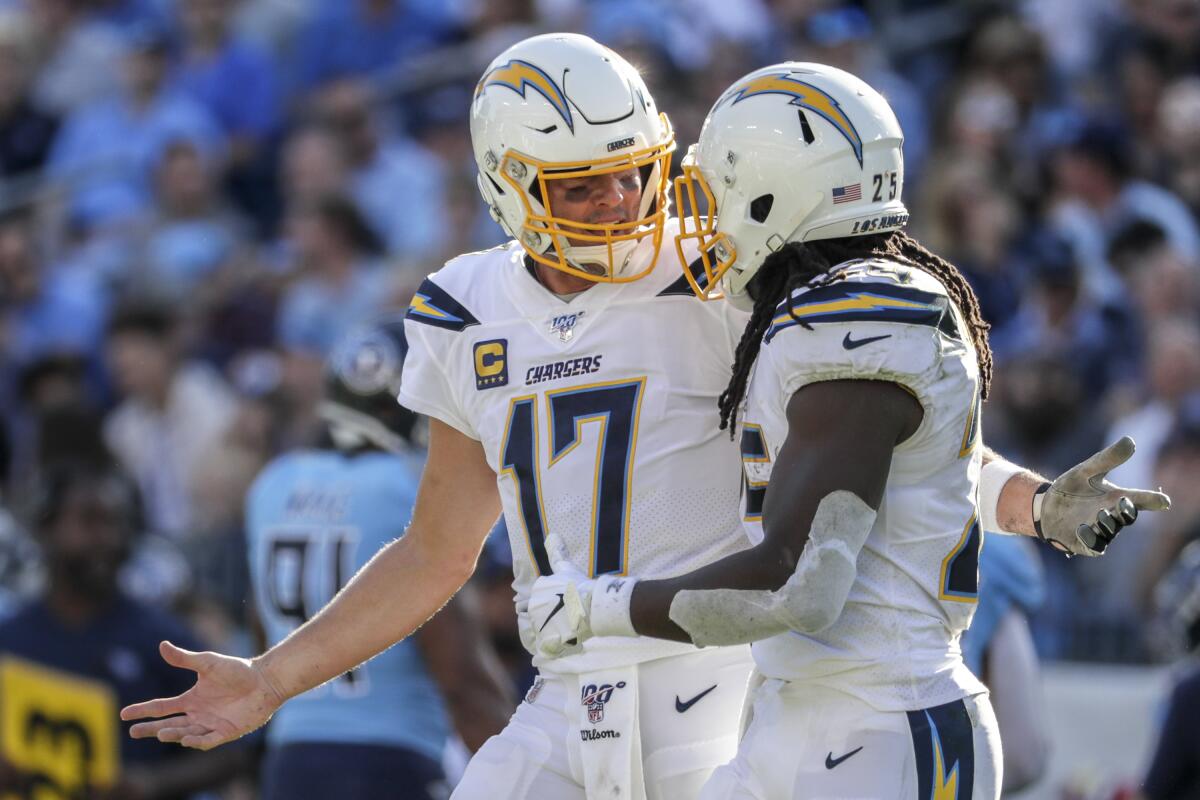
231	697
1081	512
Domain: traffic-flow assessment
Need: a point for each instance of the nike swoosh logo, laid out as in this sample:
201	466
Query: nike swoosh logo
850	344
831	762
681	706
561	605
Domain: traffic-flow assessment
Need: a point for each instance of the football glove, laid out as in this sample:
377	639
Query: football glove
1080	512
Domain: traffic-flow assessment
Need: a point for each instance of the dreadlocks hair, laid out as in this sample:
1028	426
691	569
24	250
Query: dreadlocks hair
799	264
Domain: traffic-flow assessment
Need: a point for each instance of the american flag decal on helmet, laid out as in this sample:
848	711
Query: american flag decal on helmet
847	194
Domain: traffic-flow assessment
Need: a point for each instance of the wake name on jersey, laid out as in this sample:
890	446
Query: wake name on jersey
896	643
598	415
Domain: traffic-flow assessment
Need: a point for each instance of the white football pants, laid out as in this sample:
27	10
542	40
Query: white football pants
810	743
653	731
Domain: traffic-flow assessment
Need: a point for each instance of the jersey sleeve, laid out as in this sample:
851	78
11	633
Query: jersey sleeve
861	330
431	325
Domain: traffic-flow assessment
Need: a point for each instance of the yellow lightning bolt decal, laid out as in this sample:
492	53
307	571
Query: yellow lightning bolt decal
517	75
420	305
945	787
857	301
804	95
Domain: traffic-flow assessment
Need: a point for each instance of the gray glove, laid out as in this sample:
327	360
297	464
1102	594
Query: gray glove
1080	512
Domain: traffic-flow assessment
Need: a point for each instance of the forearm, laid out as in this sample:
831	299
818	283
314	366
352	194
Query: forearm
394	594
797	583
760	568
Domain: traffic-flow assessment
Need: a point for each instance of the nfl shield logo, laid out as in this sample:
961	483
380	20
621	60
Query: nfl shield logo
564	324
594	697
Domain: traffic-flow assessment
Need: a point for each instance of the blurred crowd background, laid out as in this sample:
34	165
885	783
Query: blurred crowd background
198	197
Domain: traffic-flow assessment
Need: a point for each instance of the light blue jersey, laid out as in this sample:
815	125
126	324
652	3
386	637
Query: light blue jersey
313	518
1010	576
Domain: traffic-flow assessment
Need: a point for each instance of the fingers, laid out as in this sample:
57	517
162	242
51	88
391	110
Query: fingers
1092	541
573	605
1146	500
1127	512
1111	457
178	657
161	707
150	730
181	732
1107	524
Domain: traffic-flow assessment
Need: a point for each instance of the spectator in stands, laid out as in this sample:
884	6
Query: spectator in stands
1179	133
1098	193
364	38
78	57
1172	376
313	165
237	82
1096	338
26	130
230	77
57	419
342	281
105	150
1163	283
41	310
172	411
81	648
1177	467
384	169
974	223
193	234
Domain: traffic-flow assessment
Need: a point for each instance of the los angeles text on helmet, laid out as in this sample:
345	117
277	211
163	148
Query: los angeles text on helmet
881	223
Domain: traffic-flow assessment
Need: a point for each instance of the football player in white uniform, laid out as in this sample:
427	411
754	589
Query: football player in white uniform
867	360
571	379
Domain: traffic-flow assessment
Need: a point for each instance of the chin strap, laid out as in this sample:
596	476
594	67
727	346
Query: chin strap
593	258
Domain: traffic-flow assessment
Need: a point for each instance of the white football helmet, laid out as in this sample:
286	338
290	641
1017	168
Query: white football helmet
790	153
561	106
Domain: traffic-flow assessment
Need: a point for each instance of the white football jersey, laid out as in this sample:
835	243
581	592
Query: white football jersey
598	414
896	643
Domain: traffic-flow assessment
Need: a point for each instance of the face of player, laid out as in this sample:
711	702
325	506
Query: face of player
607	198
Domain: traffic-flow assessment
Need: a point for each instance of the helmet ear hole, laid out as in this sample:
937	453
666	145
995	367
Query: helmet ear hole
760	207
496	186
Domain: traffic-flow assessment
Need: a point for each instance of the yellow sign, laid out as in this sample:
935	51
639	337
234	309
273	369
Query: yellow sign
58	727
